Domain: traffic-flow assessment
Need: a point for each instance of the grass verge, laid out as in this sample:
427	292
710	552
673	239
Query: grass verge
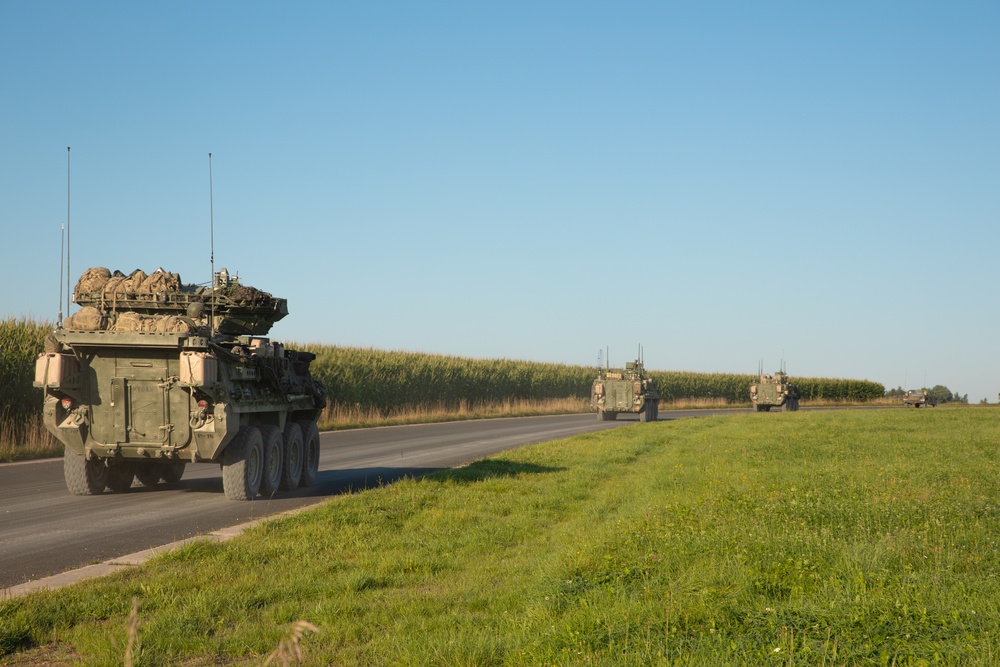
823	538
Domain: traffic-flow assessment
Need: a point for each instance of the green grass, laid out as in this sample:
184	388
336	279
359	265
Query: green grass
825	538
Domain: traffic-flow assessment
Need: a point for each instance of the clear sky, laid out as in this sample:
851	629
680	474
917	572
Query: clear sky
721	182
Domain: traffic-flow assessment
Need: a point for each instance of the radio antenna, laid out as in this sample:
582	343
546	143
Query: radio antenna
211	218
62	243
68	273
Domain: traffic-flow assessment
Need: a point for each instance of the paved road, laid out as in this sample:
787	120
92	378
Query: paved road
45	531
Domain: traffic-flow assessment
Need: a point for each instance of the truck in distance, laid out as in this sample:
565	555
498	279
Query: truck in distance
774	391
624	390
917	398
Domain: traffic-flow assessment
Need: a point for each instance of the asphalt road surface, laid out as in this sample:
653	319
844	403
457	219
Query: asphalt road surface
45	531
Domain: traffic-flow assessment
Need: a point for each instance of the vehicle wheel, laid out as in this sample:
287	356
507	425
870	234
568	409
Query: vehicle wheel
148	474
171	473
310	453
291	468
120	476
83	477
243	464
273	454
656	411
608	416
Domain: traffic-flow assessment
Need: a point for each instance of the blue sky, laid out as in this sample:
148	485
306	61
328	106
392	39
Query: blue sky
722	182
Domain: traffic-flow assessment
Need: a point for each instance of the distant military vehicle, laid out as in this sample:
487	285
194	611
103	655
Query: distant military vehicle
918	398
774	391
624	390
151	374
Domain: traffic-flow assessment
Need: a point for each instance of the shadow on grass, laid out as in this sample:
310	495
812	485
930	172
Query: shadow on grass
336	482
491	469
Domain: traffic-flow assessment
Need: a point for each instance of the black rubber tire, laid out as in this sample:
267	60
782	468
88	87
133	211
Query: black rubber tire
83	477
172	472
243	464
120	476
148	474
310	453
274	454
656	411
291	468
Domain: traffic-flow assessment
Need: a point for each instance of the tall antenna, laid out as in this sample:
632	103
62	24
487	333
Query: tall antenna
62	243
68	273
211	218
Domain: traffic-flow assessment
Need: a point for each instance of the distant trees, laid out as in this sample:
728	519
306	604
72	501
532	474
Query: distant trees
938	393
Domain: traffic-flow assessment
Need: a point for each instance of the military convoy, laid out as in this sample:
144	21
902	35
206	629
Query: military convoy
916	398
152	374
624	390
774	391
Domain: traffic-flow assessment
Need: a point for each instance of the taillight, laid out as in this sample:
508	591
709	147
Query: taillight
67	403
202	403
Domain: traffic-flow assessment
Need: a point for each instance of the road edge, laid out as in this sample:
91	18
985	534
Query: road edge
132	560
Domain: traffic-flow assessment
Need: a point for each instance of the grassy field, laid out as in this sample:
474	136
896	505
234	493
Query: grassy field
824	538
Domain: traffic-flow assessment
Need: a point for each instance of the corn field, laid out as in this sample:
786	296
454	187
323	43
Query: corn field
735	388
21	341
386	380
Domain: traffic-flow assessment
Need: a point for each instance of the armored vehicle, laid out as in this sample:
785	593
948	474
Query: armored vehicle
624	390
151	374
918	398
774	391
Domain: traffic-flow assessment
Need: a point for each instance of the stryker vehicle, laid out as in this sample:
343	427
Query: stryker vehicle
916	398
774	392
151	374
624	390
